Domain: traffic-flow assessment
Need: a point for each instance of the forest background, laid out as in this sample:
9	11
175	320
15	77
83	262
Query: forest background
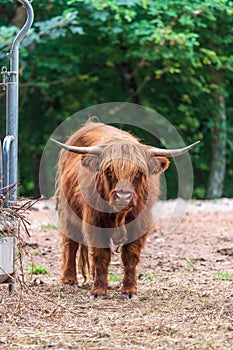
173	56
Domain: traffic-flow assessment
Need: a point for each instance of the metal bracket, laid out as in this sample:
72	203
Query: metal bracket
6	165
5	78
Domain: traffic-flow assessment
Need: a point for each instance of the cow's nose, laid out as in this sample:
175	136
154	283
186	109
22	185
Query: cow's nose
124	196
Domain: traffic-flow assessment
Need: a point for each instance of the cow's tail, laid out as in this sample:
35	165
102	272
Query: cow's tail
83	261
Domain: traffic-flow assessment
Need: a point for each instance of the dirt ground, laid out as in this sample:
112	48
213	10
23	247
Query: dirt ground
185	298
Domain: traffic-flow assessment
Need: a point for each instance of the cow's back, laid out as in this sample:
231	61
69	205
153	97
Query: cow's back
92	134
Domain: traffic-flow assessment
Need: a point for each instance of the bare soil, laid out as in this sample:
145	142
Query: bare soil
185	298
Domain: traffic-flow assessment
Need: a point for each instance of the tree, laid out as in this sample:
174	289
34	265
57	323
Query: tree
173	56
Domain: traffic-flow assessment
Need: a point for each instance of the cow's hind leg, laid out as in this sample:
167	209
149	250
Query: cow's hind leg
69	251
101	258
130	255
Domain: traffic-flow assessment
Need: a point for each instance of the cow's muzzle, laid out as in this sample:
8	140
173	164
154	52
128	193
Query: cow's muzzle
122	199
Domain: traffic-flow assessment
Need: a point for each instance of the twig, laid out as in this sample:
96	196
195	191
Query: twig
79	306
51	301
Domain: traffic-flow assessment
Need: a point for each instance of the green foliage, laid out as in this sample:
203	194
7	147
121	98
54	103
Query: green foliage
49	226
223	275
36	269
191	261
161	54
150	276
115	278
185	271
35	252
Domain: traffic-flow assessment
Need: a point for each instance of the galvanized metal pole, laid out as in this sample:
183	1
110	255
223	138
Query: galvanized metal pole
9	151
12	100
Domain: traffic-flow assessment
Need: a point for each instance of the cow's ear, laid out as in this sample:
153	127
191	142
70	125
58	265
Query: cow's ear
164	163
91	162
158	164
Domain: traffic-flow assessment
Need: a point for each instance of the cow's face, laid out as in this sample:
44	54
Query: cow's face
122	173
120	189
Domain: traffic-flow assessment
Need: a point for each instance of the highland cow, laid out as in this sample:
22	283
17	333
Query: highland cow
107	183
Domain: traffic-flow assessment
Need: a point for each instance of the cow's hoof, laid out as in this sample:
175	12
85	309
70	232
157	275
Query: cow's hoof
133	296
100	297
69	281
125	296
128	296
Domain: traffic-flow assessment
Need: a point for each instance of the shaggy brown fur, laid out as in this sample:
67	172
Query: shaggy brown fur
86	191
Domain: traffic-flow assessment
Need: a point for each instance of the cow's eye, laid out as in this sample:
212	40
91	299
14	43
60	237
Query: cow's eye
109	174
138	177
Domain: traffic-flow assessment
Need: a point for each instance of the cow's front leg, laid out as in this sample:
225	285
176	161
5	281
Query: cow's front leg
69	251
130	255
101	258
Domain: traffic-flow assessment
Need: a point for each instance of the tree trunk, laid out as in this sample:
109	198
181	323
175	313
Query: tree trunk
129	80
20	16
218	148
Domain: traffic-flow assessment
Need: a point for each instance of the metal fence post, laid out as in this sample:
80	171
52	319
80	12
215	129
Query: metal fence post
12	97
9	149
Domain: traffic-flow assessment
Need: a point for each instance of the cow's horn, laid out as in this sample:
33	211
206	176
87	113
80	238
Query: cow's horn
80	150
172	152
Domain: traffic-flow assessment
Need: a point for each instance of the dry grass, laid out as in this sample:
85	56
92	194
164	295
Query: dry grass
181	307
172	312
13	219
